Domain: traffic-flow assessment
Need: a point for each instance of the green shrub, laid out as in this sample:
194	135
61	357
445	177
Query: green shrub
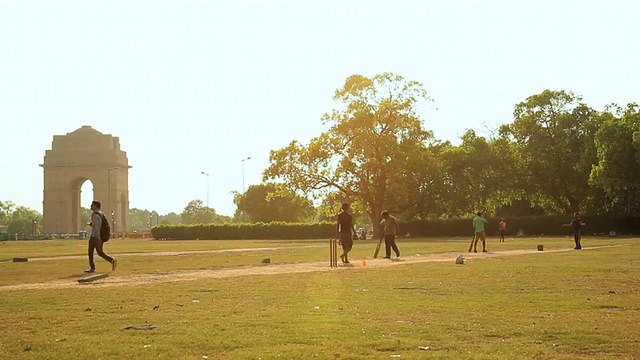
273	230
539	225
530	226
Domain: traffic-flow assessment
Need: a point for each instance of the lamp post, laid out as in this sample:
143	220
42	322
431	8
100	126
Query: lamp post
203	173
243	160
109	191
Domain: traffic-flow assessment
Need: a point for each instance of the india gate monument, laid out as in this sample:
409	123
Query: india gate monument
85	154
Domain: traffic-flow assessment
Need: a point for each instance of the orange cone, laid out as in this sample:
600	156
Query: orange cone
364	261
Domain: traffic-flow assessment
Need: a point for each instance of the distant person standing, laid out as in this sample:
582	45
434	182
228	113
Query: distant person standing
478	227
345	226
503	229
577	225
391	230
95	240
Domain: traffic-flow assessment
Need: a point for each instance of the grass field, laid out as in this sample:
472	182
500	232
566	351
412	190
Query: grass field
541	305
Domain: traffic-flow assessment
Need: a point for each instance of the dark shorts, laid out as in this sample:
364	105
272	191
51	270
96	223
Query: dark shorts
346	240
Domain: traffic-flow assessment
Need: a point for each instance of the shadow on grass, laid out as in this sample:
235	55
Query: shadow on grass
75	276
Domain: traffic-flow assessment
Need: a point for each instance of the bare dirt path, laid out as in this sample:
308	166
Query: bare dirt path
267	269
165	253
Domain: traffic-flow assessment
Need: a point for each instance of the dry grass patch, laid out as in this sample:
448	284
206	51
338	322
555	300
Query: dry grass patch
562	305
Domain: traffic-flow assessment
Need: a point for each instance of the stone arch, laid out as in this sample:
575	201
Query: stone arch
85	154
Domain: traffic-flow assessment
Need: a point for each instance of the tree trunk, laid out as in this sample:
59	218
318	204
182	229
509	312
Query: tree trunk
375	217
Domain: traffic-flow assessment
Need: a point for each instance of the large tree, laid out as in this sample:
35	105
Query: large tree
618	168
422	190
20	219
6	209
196	213
169	219
140	219
371	142
273	202
553	134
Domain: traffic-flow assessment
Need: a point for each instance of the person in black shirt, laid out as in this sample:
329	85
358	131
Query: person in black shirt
345	226
577	225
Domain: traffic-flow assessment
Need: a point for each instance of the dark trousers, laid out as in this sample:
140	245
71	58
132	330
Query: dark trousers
97	244
390	243
577	237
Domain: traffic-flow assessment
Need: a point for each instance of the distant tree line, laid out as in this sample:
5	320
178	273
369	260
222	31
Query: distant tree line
556	156
19	219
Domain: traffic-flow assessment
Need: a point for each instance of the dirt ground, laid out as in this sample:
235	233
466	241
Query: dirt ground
262	269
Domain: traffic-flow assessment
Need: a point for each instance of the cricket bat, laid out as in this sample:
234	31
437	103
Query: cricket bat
375	254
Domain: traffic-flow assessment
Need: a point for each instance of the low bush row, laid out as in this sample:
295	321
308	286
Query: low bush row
540	225
530	226
273	230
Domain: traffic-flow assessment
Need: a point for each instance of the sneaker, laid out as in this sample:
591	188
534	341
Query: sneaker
90	270
387	257
114	263
484	250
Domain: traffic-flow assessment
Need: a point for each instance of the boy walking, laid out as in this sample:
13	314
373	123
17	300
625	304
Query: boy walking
95	241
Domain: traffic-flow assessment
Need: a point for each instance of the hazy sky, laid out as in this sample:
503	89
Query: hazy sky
191	86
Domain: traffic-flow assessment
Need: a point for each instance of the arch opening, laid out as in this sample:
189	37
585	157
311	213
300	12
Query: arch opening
87	195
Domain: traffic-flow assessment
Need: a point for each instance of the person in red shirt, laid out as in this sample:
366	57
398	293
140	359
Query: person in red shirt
503	229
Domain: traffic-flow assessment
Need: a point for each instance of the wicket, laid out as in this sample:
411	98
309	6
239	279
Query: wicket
333	252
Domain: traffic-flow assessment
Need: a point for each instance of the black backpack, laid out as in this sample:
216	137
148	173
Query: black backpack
105	229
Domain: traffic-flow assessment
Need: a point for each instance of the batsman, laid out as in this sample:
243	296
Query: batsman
344	230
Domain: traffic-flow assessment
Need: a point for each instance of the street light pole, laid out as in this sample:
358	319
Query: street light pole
203	173
243	160
109	195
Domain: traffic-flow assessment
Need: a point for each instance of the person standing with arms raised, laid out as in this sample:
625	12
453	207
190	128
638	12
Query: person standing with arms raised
478	227
577	225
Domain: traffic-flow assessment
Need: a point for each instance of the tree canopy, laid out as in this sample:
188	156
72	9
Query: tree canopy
556	156
372	142
196	213
273	202
19	219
